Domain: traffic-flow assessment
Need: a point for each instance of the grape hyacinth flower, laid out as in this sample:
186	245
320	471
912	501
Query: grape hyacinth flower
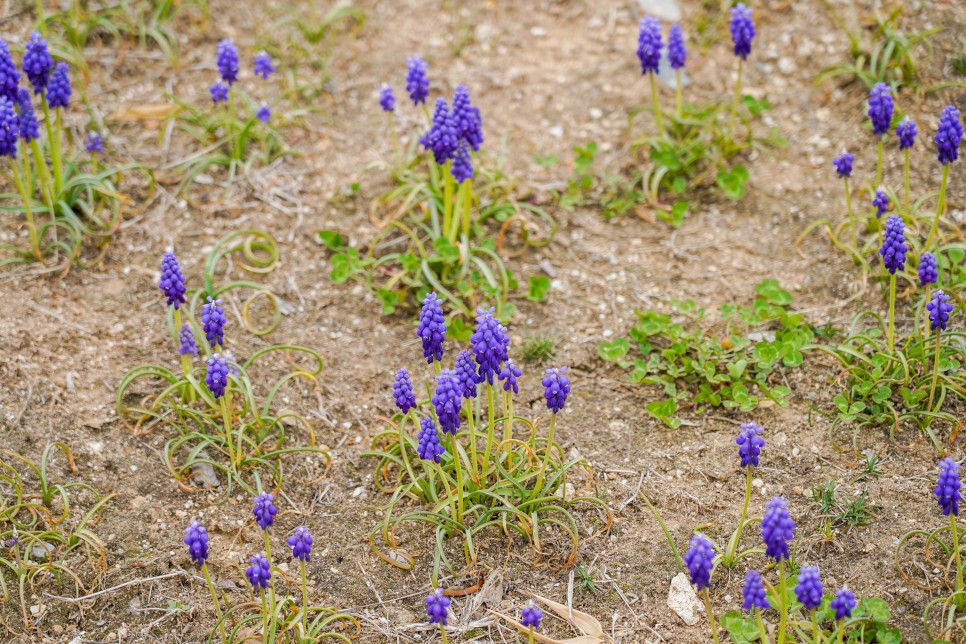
948	495
649	53
172	280
29	127
531	615
490	344
893	253
742	28
402	391
37	62
219	92
417	84
880	202
58	89
213	321
301	544
462	169
753	593
9	74
264	510
387	101
429	447
264	113
441	139
448	401
196	538
809	590
556	389
187	340
906	132
436	607
948	137
843	164
432	328
928	270
466	374
777	529
677	55
699	559
880	110
843	604
9	129
228	61
749	443
216	378
939	310
263	65
509	377
466	118
95	143
259	573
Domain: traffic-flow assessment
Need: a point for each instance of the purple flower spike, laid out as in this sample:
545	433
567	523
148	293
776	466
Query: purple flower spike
777	529
172	280
58	89
217	376
490	344
556	388
448	401
843	604
259	573
742	30
264	113
29	128
949	135
219	92
881	107
442	138
939	310
649	45
749	443
753	593
213	321
432	328
462	163
808	591
402	391
263	65
509	376
436	607
9	129
906	131
264	510
947	488
894	247
187	339
700	560
228	61
880	202
843	164
928	271
387	100
677	55
417	84
9	74
531	615
196	538
95	143
429	447
466	118
466	374
37	62
301	543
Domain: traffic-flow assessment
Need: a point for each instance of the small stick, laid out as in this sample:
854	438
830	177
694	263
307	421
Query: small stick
133	582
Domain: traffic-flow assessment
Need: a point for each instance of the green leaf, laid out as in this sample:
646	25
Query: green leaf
772	291
676	215
737	369
889	636
341	267
741	629
448	252
389	300
664	411
732	182
539	286
332	240
458	330
875	608
611	351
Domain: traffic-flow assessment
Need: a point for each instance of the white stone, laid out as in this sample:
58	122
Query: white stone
682	599
667	10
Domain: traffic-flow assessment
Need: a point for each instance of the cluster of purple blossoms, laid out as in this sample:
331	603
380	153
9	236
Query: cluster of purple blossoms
843	164
429	447
939	309
58	89
677	55
462	162
29	127
9	129
432	328
949	135
437	605
448	401
9	74
894	247
187	340
213	321
556	388
228	61
454	132
906	131
95	143
172	280
649	45
843	604
301	543
417	84
699	559
264	113
466	374
777	529
509	376
947	487
490	344
259	573
37	62
880	202
467	118
809	590
196	538
742	30
219	92
402	391
264	510
216	378
531	615
928	270
881	107
749	443
263	65
387	100
442	137
753	593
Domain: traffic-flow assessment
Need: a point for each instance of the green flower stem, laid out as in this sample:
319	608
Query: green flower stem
878	165
404	444
762	631
707	605
940	207
657	106
530	639
43	175
667	533
508	416
959	561
395	140
31	228
815	630
737	97
53	136
905	182
448	202
226	417
234	144
442	632
438	368
268	555
729	557
305	596
491	419
892	312
214	596
841	636
935	370
677	92
456	213
264	618
852	222
459	478
467	209
782	602
546	457
449	495
41	19
474	466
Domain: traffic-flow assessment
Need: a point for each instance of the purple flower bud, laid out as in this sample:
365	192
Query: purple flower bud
217	376
700	560
509	376
196	538
417	85
894	247
880	202
58	89
906	131
928	271
462	163
264	113
939	310
466	118
187	339
9	129
881	107
228	61
649	45
172	280
264	510
429	447
259	573
9	74
466	374
753	592
263	65
387	100
947	488
742	30
531	615
843	164
843	604
777	529
402	391
436	605
301	543
556	388
29	128
95	143
37	62
448	401
949	134
677	55
432	328
808	591
213	321
490	344
441	139
750	443
219	92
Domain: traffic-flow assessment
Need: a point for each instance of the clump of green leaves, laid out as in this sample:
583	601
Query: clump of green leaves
869	623
854	513
732	368
538	348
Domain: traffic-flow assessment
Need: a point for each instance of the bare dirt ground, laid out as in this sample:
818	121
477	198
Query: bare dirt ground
547	76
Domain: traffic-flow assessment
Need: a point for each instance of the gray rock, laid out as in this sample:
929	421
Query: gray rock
662	9
666	74
682	599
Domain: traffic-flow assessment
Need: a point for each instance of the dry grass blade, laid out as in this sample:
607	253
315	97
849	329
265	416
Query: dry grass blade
586	624
583	639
